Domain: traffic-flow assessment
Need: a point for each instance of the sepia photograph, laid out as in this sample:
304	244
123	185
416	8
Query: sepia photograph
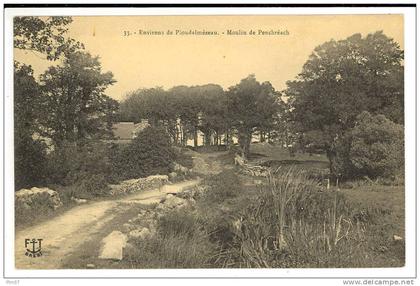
209	141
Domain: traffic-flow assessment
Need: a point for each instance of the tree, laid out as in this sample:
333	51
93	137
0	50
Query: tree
45	35
30	151
251	105
343	78
75	104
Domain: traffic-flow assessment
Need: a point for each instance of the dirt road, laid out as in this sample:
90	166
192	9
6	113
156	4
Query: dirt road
63	234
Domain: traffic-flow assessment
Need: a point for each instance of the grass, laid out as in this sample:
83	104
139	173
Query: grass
289	221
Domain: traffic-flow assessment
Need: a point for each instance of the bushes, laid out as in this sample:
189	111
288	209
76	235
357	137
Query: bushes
374	148
30	162
148	154
89	166
377	147
222	186
85	167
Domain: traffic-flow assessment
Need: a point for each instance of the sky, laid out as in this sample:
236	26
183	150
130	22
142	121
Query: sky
145	61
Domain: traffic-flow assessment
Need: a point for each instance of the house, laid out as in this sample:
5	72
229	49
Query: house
124	132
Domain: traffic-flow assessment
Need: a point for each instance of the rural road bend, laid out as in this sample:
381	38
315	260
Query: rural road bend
63	234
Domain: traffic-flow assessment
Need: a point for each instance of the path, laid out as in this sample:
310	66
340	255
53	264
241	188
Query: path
63	234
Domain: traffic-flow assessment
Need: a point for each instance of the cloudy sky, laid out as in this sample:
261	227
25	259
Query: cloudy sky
151	60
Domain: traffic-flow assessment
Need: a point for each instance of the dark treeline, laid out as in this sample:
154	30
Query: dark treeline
248	108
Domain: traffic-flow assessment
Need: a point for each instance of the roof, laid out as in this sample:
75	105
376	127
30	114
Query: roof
128	130
123	130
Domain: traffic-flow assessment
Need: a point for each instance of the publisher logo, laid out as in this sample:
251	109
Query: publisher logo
33	247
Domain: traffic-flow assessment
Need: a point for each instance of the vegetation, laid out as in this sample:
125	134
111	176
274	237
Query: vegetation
340	80
150	153
333	118
286	222
244	109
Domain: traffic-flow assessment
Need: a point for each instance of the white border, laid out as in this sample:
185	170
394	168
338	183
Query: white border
409	44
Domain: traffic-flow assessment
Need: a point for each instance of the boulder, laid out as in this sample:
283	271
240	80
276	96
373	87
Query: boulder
397	238
172	175
113	245
33	198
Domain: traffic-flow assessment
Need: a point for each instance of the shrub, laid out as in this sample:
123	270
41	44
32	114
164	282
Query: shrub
148	154
30	166
374	148
85	166
377	146
220	187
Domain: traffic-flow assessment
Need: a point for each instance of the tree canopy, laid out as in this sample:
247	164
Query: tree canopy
343	78
46	35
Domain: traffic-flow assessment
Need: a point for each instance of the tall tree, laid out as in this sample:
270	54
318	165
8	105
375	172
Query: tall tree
251	105
343	78
76	105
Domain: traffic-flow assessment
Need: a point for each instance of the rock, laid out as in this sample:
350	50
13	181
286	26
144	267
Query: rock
127	227
31	198
78	201
397	238
140	234
113	246
90	266
172	175
173	202
180	169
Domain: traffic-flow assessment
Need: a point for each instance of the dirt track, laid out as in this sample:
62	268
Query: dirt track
63	234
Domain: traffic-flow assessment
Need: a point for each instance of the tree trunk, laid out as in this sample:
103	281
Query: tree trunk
195	137
244	138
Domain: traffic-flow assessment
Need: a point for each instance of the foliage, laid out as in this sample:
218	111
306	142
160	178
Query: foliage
75	105
221	187
44	34
30	165
251	106
30	152
150	153
343	78
377	146
85	166
187	110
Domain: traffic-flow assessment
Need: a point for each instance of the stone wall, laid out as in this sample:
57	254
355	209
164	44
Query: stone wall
140	184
